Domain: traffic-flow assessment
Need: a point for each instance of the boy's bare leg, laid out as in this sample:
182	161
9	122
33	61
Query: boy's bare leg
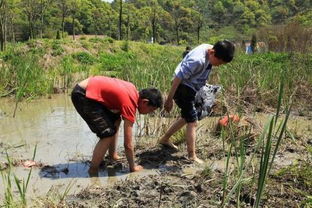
177	125
98	154
190	141
112	147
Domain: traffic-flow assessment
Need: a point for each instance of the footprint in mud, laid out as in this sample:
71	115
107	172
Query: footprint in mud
2	114
162	158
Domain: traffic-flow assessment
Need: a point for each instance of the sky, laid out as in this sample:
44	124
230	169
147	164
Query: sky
108	0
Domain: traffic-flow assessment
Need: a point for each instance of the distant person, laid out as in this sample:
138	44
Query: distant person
187	50
190	76
249	50
102	102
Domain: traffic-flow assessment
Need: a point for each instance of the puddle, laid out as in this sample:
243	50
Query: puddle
64	144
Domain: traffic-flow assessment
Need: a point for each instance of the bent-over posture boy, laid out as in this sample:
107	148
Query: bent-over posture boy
102	102
190	75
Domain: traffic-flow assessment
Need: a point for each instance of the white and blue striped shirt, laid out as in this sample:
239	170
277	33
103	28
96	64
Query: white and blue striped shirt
194	69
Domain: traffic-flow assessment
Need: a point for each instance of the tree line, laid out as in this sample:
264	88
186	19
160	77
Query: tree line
162	21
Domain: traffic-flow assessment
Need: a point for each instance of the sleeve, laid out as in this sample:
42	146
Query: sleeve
128	112
187	68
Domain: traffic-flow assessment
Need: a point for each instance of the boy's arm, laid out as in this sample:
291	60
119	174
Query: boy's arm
169	103
129	150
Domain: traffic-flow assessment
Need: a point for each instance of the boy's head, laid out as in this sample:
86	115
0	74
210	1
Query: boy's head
149	100
221	53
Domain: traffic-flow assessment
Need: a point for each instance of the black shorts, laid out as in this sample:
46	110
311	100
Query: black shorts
100	120
184	97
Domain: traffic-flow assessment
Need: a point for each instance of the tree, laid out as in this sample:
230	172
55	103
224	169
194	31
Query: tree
181	17
64	8
74	10
43	4
3	24
31	9
154	19
130	20
120	21
198	20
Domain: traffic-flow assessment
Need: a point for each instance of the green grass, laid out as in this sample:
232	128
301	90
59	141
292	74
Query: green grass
267	144
10	179
262	72
149	65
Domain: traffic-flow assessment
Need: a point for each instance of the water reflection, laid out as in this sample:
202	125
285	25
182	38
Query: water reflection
52	124
63	141
78	170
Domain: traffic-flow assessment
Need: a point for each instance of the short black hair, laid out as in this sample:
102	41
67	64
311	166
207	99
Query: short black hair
224	50
153	95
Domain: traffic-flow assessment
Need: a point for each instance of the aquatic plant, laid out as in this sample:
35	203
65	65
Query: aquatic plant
267	144
21	184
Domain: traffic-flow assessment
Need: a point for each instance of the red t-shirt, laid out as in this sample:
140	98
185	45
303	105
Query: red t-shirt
115	94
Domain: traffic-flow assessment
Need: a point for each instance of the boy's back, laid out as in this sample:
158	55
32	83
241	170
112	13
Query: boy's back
194	69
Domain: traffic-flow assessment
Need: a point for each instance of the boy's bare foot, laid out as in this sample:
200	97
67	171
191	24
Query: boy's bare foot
115	157
136	168
93	172
196	159
169	145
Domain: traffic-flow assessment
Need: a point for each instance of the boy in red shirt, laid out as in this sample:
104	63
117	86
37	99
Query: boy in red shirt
102	102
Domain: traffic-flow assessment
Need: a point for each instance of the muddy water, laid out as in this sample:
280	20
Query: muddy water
64	144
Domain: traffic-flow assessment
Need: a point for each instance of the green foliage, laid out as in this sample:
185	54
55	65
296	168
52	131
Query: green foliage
28	76
299	172
262	72
117	61
125	46
21	185
153	65
95	40
304	18
206	172
57	48
109	40
58	35
84	57
165	21
300	176
83	38
251	79
179	138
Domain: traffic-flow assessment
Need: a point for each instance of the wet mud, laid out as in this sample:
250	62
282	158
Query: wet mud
169	179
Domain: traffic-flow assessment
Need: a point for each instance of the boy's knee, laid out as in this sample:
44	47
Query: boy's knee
192	124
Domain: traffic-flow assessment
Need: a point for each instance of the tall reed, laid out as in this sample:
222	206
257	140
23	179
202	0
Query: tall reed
267	157
271	138
21	185
28	77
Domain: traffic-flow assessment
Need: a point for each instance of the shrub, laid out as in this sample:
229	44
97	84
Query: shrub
84	58
95	40
57	48
109	40
115	62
